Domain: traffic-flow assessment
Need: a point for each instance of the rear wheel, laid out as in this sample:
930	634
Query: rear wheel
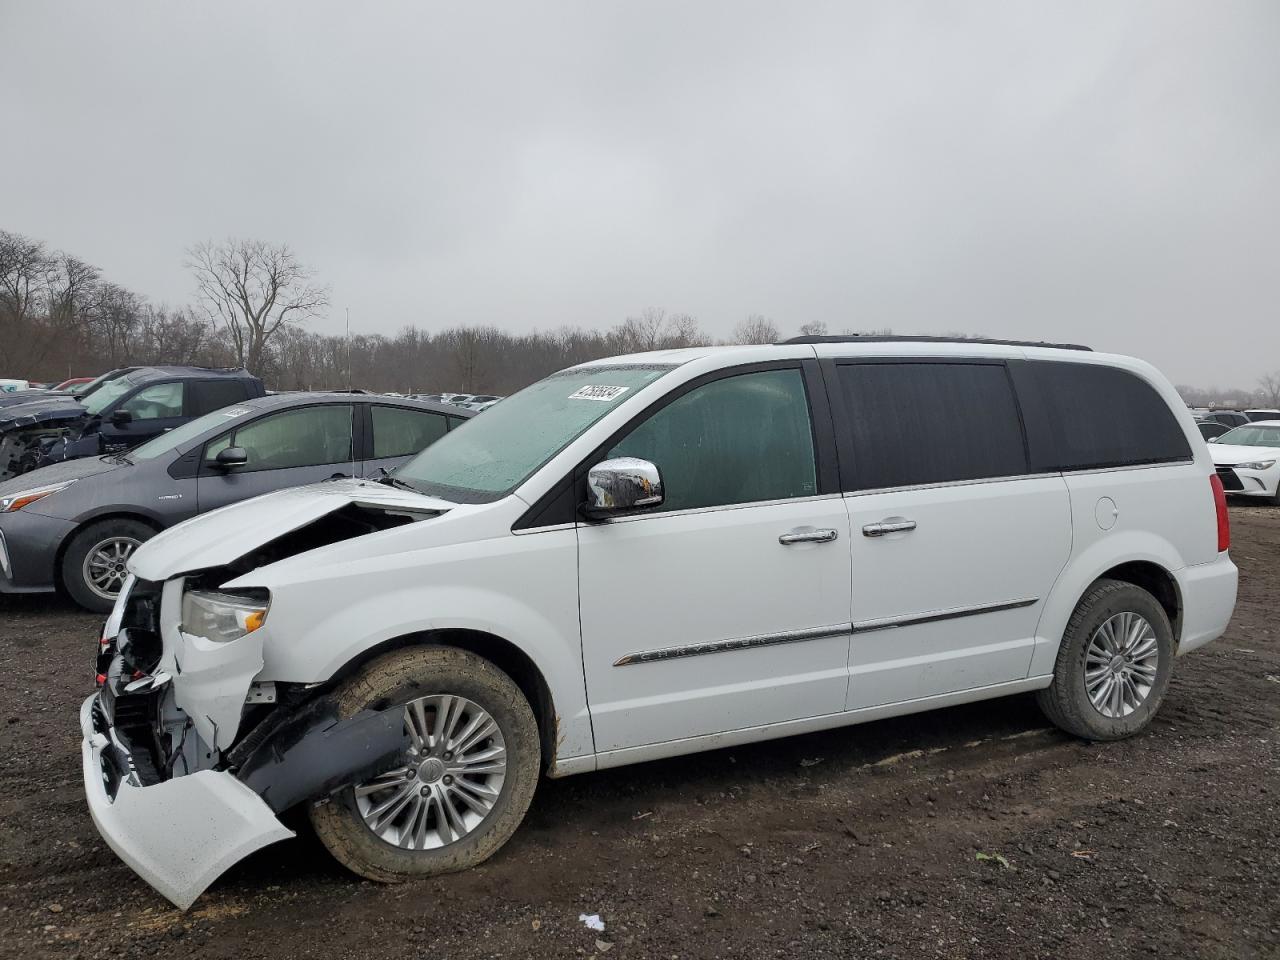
464	782
93	566
1114	664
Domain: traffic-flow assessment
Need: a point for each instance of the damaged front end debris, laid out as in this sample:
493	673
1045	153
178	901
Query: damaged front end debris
172	803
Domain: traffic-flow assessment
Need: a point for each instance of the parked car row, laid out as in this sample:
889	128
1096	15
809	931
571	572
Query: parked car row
468	401
117	411
632	559
75	524
1247	459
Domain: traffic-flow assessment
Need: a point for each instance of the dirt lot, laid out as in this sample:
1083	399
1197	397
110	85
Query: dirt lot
860	842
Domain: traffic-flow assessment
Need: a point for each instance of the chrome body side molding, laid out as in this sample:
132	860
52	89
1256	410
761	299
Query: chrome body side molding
737	643
866	626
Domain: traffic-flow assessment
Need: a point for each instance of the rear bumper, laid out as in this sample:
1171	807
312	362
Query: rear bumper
1208	599
178	835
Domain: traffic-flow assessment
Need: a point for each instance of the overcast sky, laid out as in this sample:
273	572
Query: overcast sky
1103	172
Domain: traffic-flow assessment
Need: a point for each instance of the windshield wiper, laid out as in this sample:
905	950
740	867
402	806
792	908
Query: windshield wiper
393	481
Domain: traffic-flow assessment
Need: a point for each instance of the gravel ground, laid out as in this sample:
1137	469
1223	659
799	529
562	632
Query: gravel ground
966	832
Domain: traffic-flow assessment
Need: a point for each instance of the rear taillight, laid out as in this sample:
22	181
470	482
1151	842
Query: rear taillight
1220	505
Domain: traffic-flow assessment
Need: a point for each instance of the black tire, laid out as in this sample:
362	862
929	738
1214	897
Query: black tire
398	678
74	577
1066	701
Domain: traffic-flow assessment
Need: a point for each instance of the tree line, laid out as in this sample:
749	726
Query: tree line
59	317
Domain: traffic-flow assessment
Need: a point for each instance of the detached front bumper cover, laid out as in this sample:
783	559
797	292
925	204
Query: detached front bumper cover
179	835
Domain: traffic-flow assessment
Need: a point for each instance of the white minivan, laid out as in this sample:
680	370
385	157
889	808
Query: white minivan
647	556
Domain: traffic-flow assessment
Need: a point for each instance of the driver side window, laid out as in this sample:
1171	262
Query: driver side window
743	439
156	402
305	437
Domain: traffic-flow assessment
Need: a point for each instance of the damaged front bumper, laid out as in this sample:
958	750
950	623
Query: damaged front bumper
185	769
179	834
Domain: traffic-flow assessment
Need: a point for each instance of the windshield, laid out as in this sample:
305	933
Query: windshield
490	455
107	394
1252	435
188	431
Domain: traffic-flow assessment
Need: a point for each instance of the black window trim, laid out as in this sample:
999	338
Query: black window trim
203	469
849	485
559	505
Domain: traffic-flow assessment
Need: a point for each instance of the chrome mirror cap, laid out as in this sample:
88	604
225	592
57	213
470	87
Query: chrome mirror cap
621	484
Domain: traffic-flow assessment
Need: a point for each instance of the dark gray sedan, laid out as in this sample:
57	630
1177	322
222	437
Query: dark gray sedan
75	524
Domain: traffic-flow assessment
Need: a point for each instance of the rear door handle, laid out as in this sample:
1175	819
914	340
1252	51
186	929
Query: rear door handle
807	536
888	526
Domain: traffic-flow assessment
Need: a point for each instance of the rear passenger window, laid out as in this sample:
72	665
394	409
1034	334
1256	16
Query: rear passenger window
399	431
915	423
213	395
742	439
1084	416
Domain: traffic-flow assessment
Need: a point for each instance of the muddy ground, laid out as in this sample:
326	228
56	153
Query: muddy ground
863	842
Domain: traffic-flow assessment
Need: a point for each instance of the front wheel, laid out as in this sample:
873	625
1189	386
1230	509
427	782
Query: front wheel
93	566
464	782
1114	664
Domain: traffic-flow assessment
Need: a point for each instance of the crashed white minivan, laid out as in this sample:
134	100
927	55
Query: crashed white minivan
648	556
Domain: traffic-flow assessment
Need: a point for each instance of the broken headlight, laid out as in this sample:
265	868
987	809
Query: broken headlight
222	617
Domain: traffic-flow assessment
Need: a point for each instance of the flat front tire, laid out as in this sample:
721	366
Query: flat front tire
463	784
1114	665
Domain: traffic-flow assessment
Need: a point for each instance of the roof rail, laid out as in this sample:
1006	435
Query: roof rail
859	338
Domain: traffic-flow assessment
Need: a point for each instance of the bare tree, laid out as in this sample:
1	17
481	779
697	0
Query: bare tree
254	289
24	265
1269	389
816	328
655	329
757	328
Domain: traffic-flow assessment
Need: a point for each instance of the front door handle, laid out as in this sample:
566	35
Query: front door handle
888	526
807	536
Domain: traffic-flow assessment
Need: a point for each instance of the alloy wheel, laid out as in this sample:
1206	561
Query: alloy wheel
104	565
449	781
1121	663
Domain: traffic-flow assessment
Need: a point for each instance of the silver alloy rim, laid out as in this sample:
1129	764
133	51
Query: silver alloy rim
1120	665
451	777
104	565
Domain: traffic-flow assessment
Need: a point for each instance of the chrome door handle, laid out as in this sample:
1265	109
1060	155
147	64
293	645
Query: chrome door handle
888	526
807	536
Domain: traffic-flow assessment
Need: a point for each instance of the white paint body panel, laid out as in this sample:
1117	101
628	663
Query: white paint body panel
975	545
699	577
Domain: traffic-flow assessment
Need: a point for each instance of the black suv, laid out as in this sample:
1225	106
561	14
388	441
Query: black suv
121	413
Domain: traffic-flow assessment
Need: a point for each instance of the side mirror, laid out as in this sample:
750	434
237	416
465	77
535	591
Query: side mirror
621	485
231	457
121	417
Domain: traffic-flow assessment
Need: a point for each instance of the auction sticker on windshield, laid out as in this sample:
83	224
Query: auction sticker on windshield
597	391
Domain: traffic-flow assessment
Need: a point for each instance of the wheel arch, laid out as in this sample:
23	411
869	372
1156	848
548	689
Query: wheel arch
85	523
1158	582
1136	557
502	653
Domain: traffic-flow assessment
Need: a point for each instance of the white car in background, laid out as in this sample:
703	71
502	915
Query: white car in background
1248	460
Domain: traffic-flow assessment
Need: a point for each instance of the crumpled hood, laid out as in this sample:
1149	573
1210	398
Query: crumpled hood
1229	454
52	410
222	536
60	472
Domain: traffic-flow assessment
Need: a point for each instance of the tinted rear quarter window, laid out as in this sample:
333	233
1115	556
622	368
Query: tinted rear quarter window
213	395
1084	416
914	423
